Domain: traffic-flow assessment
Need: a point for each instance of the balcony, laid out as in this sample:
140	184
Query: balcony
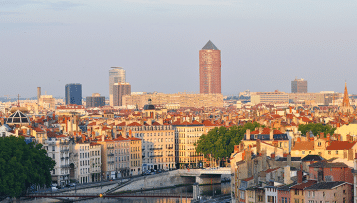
197	155
110	162
110	147
65	166
143	149
156	156
64	143
62	158
64	150
157	148
51	143
170	155
110	154
143	156
170	147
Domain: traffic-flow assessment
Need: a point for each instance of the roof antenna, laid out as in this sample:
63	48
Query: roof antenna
18	100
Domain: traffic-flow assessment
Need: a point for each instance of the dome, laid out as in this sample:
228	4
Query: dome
18	118
149	106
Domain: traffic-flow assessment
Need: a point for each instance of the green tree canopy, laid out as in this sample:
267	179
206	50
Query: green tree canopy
22	165
220	141
316	128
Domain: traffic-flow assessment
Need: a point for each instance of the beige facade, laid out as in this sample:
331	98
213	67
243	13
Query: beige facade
157	145
135	156
185	138
269	97
95	162
178	99
47	102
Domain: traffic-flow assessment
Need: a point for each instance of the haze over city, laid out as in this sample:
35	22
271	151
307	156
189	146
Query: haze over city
264	44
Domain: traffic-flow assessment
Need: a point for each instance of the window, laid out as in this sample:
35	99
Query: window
344	191
329	152
303	152
53	148
336	152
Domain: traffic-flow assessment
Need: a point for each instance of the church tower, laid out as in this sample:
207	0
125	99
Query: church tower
345	106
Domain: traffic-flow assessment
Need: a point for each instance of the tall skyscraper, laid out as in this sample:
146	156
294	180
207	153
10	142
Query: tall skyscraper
119	90
210	69
95	101
299	86
74	93
116	75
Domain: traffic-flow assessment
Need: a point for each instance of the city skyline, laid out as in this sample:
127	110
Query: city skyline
266	45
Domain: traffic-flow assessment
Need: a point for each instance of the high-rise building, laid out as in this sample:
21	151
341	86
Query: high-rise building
38	93
74	93
116	75
299	86
95	101
210	69
119	90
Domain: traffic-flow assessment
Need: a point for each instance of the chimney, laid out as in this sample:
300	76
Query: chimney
307	136
247	134
299	176
271	137
258	147
322	135
288	159
348	138
320	176
260	130
290	109
298	140
287	179
328	136
102	138
272	155
236	148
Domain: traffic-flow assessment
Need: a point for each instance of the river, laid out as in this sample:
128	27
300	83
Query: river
205	191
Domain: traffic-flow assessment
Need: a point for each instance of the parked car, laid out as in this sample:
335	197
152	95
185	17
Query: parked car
72	184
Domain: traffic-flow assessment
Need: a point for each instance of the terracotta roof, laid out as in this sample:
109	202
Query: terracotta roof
134	124
121	124
271	170
340	145
133	138
155	123
303	145
248	179
120	138
93	144
303	185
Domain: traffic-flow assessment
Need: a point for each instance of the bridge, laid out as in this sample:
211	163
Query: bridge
95	195
206	176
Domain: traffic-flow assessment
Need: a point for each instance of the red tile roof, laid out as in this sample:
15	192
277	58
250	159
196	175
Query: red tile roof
134	124
340	145
302	186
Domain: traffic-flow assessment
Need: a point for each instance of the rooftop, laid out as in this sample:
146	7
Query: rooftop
210	46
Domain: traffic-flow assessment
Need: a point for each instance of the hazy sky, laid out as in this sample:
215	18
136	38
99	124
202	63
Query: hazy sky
264	44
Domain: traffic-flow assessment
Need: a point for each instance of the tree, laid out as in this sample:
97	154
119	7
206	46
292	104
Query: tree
316	128
219	142
22	166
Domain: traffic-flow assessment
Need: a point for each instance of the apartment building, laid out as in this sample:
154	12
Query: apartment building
157	144
82	162
95	161
57	147
186	135
122	154
135	156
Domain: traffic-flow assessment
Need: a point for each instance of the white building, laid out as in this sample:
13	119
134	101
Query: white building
57	147
82	162
95	162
